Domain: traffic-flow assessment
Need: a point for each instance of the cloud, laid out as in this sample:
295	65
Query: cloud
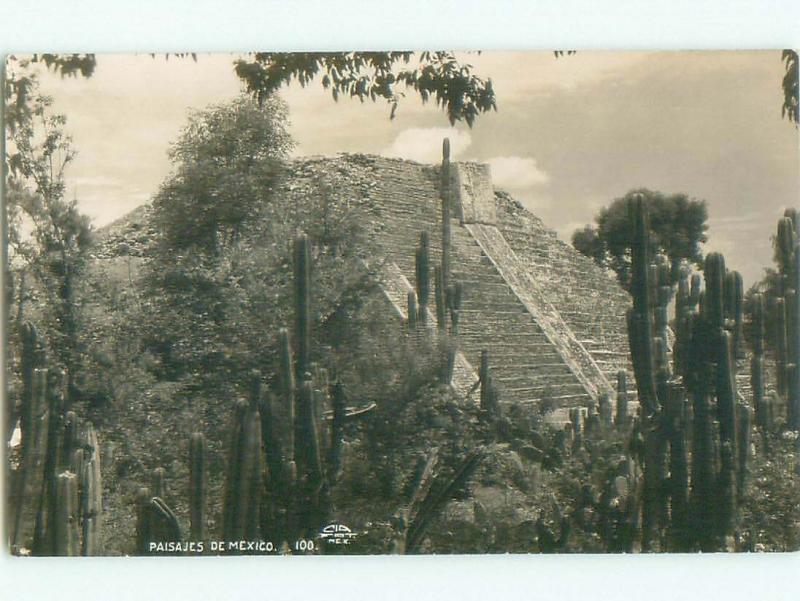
97	181
515	173
751	222
424	144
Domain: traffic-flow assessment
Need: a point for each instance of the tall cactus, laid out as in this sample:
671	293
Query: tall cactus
337	432
734	305
423	275
302	287
439	298
413	311
30	485
727	416
244	483
159	486
781	348
640	331
66	523
743	449
155	523
675	425
757	362
788	315
31	360
793	342
604	405
287	384
197	486
43	537
445	196
311	482
490	408
91	494
91	508
699	512
622	400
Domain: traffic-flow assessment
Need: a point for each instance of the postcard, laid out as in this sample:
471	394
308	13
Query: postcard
411	302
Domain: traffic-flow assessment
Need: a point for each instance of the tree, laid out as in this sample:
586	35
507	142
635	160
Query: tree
588	242
677	229
216	283
225	159
375	75
49	237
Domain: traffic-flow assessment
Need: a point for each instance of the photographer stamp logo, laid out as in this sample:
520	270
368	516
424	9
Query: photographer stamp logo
337	534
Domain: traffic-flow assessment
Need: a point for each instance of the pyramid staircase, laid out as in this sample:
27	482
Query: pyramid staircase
545	346
590	301
527	366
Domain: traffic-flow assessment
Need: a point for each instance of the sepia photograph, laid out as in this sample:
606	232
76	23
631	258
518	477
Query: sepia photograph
401	303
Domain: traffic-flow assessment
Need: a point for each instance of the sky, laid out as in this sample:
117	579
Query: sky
569	136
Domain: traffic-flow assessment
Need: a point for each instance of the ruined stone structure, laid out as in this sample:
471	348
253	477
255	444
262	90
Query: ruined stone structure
552	322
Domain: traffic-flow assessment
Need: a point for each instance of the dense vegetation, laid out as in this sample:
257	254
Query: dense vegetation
243	381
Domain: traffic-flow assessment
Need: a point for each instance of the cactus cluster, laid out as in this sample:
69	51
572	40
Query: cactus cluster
695	448
281	462
56	492
447	305
787	315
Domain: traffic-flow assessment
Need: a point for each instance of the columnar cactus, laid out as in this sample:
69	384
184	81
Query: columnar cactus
311	477
706	364
159	486
413	311
678	483
743	450
446	201
757	362
727	417
455	299
488	392
31	359
682	311
245	467
788	315
31	477
423	275
66	523
43	534
793	342
575	420
781	346
155	523
337	431
302	284
640	331
91	508
734	303
197	486
91	489
287	393
605	410
663	295
439	297
622	400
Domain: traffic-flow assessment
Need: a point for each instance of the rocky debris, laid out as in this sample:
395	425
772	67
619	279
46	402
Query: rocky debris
132	235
